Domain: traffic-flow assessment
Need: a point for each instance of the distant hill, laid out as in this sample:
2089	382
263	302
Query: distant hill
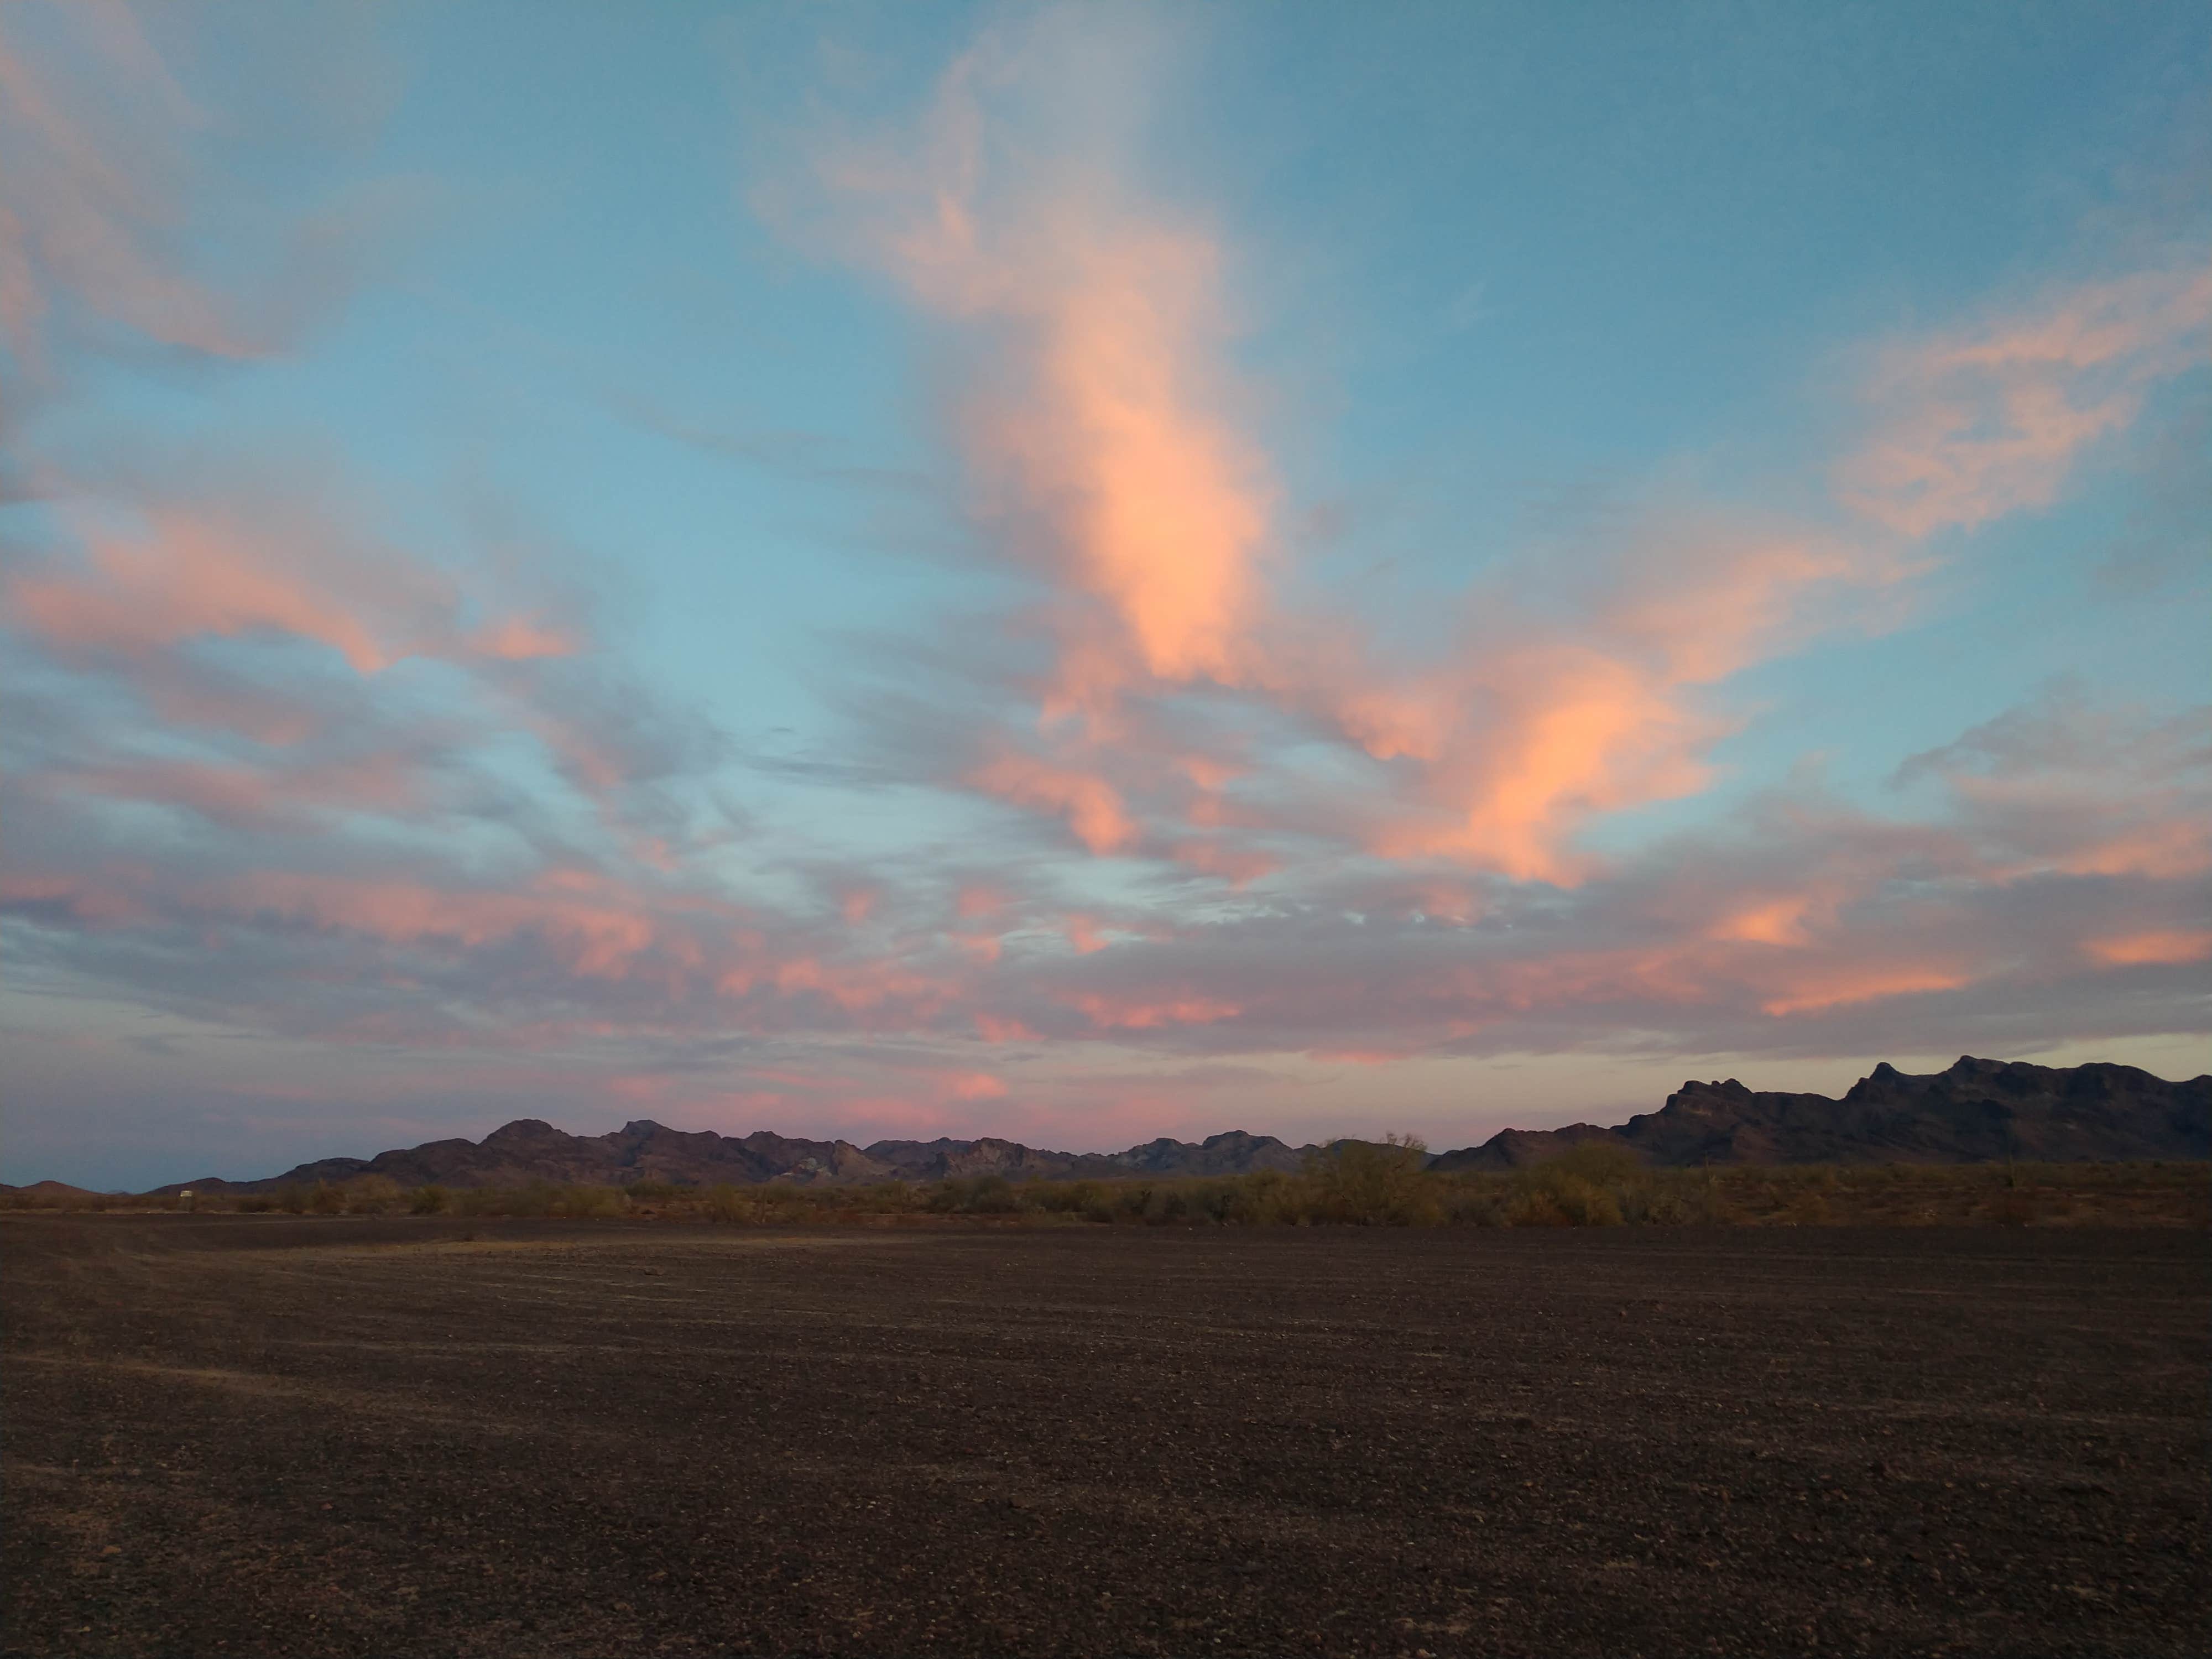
1978	1110
48	1192
528	1150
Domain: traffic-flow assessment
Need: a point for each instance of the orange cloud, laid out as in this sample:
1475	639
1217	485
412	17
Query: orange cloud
1844	984
203	573
1163	511
1092	806
1784	922
523	639
1973	426
1102	433
2164	851
1099	423
2168	947
1569	731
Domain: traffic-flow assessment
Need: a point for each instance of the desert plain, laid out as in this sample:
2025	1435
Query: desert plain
271	1435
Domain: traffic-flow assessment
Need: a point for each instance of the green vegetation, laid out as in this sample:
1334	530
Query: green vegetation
1348	1183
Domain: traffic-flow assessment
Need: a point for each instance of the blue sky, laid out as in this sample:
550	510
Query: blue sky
1087	573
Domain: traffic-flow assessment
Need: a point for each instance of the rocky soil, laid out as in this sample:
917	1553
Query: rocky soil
263	1435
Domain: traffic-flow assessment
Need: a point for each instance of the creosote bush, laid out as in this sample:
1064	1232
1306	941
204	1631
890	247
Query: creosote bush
1347	1183
1371	1184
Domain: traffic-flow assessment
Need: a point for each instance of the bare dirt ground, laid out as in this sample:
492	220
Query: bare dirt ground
261	1435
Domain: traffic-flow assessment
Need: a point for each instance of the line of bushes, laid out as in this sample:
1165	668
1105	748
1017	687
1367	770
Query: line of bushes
1363	1183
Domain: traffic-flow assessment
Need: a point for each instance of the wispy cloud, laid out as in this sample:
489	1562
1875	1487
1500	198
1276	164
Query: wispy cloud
1971	425
1108	441
98	237
278	768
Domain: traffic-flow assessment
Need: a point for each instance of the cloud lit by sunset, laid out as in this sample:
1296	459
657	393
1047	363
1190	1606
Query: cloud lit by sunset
1084	572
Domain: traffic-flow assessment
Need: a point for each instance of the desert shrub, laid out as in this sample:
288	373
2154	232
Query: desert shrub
502	1201
1092	1199
779	1201
989	1194
887	1198
292	1200
1536	1206
1654	1206
1601	1163
727	1205
429	1200
1485	1202
371	1195
1595	1184
585	1203
1264	1198
327	1200
1373	1184
1191	1203
651	1192
1554	1194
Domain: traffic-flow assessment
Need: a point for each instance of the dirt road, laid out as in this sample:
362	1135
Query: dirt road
254	1435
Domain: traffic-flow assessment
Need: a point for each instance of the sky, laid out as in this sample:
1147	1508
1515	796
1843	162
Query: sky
1088	572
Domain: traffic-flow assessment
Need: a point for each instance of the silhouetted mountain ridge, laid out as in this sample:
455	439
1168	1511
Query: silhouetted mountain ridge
530	1149
1977	1110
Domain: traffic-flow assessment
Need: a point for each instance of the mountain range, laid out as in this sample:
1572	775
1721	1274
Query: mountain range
1976	1111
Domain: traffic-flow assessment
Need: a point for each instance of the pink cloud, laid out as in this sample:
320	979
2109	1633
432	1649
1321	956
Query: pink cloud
2059	785
1767	921
243	795
100	221
595	926
2166	946
1971	426
208	572
978	947
1116	1014
1821	991
977	899
106	902
87	201
1105	436
974	1085
1092	806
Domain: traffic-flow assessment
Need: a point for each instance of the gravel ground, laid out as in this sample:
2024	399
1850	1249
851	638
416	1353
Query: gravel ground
257	1434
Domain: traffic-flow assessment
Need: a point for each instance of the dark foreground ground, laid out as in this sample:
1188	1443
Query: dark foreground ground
260	1435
